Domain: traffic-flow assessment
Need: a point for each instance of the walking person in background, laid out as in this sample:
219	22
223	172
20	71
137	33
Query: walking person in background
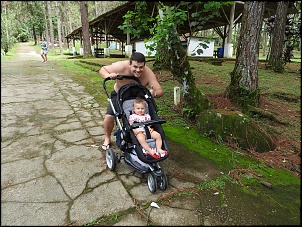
44	50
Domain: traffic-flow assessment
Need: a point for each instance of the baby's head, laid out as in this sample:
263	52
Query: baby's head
139	106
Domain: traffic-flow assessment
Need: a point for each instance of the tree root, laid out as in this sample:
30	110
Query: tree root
265	114
235	174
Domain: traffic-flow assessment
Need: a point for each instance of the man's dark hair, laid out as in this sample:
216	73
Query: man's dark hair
137	56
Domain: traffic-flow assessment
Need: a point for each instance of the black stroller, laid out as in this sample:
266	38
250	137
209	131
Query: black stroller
131	151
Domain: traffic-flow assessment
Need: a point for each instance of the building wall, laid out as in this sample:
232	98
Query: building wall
140	47
191	49
194	46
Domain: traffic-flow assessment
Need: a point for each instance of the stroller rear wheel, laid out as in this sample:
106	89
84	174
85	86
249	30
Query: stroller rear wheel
152	183
111	159
163	182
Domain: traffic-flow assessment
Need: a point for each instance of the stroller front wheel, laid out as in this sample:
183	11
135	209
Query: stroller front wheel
111	159
152	183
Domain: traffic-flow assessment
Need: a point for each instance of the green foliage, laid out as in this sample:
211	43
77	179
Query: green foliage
217	185
137	22
187	112
7	40
163	26
115	217
23	35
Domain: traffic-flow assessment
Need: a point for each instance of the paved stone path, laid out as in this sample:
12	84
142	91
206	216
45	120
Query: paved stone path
52	171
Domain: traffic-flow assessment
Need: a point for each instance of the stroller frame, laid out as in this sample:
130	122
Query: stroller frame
130	149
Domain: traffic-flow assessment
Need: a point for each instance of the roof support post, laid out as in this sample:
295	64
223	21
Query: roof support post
74	51
228	48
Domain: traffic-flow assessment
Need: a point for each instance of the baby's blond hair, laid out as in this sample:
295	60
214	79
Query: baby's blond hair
139	100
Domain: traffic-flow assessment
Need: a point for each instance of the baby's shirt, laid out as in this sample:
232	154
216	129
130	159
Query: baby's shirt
139	118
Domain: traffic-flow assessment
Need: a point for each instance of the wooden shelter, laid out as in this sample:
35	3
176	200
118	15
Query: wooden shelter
104	28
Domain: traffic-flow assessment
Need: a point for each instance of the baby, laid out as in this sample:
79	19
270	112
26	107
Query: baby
140	115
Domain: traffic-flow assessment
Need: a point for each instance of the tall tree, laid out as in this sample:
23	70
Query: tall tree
58	12
44	8
243	89
8	27
51	31
85	29
275	58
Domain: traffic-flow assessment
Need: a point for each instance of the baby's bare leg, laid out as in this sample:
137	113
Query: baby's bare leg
158	140
142	140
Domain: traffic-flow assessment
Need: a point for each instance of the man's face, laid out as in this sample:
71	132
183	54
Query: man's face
137	68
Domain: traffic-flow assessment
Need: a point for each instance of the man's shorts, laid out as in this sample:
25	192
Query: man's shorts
113	99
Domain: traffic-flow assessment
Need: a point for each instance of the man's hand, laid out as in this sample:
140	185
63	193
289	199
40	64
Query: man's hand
112	76
153	92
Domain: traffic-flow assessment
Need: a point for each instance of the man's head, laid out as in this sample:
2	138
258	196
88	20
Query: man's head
138	57
137	63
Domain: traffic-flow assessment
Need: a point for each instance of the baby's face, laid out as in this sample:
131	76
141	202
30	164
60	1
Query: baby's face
139	108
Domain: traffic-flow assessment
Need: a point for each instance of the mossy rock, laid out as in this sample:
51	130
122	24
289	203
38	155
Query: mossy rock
236	128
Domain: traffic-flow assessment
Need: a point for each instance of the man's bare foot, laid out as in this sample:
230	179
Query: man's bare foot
106	145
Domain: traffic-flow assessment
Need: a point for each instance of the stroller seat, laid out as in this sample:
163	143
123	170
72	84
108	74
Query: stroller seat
128	107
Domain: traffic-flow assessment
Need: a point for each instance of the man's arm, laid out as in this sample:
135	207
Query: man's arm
112	70
155	88
104	72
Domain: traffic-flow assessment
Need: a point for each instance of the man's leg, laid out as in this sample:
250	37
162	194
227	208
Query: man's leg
109	123
108	127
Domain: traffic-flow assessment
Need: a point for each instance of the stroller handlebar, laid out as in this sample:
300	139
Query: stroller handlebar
147	123
120	77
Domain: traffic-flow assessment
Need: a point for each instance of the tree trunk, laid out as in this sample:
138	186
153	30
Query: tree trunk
243	89
195	101
264	40
275	59
34	35
58	12
85	29
179	65
161	62
44	7
51	31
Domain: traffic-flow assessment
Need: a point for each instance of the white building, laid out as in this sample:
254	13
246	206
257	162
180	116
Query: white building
192	45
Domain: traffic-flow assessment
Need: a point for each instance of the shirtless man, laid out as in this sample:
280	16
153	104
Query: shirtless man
136	66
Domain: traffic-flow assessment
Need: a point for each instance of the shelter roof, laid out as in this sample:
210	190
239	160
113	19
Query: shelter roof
109	22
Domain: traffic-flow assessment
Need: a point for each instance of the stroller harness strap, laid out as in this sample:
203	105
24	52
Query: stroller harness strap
148	133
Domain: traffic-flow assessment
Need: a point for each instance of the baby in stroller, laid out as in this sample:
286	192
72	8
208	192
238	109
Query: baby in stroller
139	115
